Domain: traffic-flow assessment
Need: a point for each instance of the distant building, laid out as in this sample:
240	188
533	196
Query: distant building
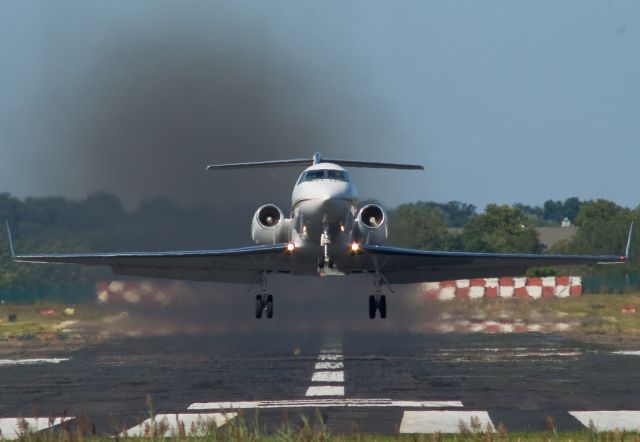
566	222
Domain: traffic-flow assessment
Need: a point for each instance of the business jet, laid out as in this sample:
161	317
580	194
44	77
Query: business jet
327	233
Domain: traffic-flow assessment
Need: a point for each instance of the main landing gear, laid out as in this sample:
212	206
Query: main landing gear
379	303
264	303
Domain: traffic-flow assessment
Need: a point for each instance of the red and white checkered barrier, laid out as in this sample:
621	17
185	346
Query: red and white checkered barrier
521	287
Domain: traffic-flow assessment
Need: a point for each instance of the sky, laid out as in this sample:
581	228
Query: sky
501	101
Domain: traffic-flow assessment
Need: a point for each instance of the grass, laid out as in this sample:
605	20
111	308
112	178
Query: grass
33	323
595	313
304	429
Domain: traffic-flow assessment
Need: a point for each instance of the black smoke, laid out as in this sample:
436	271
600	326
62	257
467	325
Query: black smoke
155	107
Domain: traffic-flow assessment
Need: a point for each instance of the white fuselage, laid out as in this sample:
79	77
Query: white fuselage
324	200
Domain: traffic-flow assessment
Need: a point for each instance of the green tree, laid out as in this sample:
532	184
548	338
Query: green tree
420	225
500	229
602	228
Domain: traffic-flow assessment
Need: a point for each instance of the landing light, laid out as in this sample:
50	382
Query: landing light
291	247
355	247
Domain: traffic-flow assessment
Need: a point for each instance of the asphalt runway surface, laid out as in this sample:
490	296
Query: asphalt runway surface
374	382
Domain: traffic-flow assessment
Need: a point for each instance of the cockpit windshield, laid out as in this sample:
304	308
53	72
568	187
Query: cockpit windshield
324	174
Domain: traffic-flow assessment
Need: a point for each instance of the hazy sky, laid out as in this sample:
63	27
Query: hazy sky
502	101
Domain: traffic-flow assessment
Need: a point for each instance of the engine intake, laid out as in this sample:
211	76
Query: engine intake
371	225
269	226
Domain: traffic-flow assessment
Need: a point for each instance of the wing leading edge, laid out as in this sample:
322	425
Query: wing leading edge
403	266
240	265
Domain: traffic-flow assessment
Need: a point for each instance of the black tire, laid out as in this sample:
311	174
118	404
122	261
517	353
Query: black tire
269	306
372	307
383	306
330	263
259	306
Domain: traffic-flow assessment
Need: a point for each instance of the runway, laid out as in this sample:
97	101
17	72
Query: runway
374	382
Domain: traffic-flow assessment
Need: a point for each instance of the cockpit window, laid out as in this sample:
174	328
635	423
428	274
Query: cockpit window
324	174
337	175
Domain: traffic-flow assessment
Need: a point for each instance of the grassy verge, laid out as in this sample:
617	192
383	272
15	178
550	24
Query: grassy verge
241	429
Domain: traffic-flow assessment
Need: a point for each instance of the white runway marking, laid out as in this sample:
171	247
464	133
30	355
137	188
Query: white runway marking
13	427
329	357
329	366
326	390
189	424
34	361
627	353
609	420
319	403
442	421
327	376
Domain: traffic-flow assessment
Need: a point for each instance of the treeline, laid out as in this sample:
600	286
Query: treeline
602	228
101	223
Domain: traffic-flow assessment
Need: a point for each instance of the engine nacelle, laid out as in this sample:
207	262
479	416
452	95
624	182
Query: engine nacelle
269	226
371	225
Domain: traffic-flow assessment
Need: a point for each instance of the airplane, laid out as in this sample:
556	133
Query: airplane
327	234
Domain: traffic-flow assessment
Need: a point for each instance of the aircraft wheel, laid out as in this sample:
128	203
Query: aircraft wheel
259	306
372	307
330	263
269	306
382	306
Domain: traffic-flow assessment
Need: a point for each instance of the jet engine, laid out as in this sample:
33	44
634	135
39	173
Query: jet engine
269	226
371	225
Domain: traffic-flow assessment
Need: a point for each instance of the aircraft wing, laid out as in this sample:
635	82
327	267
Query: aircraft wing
403	266
240	265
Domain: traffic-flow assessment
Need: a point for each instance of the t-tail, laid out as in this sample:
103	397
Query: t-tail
316	159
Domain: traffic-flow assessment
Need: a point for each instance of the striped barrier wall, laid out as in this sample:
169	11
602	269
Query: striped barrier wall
520	287
147	292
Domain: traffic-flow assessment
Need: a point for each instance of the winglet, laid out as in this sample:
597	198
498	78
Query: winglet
628	249
10	240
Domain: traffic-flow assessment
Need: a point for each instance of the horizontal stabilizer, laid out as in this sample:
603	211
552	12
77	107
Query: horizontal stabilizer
317	159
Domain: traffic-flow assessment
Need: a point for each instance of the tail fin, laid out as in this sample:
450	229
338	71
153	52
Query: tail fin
10	240
317	158
627	251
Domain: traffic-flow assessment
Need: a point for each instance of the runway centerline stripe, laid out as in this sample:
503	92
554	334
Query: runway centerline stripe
625	420
324	402
328	376
627	352
329	366
330	357
325	390
442	421
189	424
14	427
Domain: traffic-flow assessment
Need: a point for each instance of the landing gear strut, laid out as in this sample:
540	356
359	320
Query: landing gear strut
264	303
379	303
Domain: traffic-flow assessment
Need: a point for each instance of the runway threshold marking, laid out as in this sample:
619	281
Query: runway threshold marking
626	420
34	361
17	427
320	403
188	424
443	421
627	352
